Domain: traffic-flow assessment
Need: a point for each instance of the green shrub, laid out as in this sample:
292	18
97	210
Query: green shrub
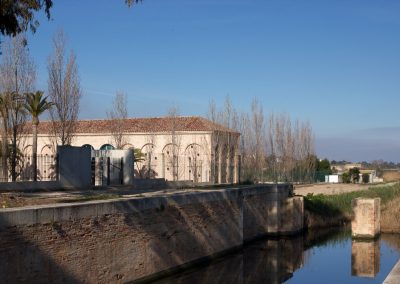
346	178
340	204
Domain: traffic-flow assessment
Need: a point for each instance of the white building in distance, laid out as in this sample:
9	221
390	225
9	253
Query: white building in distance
174	148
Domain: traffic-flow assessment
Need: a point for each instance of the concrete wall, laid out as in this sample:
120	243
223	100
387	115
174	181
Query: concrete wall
126	240
269	211
116	157
74	166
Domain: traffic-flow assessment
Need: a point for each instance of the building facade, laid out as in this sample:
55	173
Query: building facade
174	148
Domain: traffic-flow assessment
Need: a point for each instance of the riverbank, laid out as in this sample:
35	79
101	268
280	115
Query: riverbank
335	210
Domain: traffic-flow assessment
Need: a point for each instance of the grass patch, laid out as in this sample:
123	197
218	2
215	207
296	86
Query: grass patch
85	198
337	208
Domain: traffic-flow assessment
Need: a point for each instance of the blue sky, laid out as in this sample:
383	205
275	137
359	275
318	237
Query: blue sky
334	63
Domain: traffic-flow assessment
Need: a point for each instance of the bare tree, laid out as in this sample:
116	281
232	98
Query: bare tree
173	152
258	144
291	147
117	115
277	150
224	141
18	76
148	164
64	90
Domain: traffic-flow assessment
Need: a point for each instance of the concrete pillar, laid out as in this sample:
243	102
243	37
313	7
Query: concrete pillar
163	165
273	206
98	171
235	168
292	215
219	162
366	218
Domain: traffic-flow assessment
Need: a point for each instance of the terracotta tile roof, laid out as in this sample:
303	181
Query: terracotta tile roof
146	125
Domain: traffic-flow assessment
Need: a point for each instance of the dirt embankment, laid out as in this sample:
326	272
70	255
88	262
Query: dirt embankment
391	176
329	188
390	216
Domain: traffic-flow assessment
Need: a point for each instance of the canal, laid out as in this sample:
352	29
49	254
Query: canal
323	257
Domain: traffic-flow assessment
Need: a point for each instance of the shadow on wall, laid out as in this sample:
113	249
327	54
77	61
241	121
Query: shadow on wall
26	254
145	173
137	240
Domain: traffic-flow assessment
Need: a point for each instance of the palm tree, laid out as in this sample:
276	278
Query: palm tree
36	104
4	114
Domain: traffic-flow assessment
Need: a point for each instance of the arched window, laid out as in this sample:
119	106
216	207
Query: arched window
88	146
107	147
127	146
47	150
28	150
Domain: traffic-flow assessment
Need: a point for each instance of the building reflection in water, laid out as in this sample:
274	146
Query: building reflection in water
272	261
267	261
365	258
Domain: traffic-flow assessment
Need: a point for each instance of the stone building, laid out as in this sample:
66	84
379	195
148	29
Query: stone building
174	148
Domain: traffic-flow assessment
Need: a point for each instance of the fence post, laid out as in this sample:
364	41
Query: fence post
108	170
122	171
93	171
57	167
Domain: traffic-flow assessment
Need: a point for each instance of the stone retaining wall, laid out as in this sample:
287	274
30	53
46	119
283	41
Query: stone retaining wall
131	239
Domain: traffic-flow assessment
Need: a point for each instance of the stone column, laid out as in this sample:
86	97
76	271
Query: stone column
366	219
219	165
235	168
163	165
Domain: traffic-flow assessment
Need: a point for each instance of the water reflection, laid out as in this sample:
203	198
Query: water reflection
272	261
268	261
326	254
365	258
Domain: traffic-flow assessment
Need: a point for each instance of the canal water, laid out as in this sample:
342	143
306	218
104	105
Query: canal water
323	257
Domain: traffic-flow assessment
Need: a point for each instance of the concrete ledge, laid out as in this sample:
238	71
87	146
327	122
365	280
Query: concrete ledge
394	275
43	214
33	186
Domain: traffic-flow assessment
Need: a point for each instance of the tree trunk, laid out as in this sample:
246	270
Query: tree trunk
34	149
4	153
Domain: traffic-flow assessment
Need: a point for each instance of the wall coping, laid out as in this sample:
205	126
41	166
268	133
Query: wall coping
50	213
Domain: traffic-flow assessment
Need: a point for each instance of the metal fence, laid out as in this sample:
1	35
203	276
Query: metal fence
107	171
46	168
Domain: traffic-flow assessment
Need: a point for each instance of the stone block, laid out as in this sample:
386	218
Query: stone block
366	217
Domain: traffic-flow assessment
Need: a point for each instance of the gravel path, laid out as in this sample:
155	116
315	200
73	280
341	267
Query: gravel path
332	188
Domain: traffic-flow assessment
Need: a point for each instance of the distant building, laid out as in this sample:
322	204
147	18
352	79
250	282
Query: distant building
345	167
336	178
174	148
372	178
